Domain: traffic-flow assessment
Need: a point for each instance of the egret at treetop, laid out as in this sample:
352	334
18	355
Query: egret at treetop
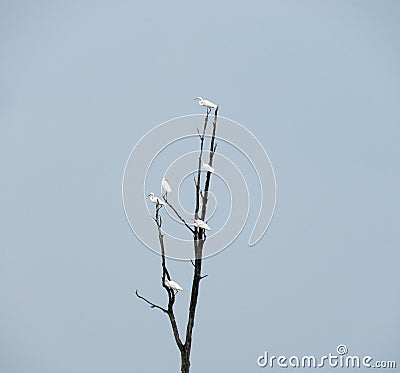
165	185
173	285
155	199
201	224
207	167
206	103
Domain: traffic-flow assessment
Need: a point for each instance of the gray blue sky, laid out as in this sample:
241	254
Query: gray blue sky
81	82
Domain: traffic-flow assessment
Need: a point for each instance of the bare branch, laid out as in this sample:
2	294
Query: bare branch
152	305
180	217
175	330
198	242
165	274
210	162
197	208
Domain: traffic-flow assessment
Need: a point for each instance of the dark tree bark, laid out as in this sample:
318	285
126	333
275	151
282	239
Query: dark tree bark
199	239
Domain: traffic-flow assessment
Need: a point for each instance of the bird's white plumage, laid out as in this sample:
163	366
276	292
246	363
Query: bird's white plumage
165	185
155	199
207	167
201	224
173	285
206	103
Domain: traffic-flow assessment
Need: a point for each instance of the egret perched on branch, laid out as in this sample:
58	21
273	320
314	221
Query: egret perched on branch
206	103
172	285
156	200
200	223
165	185
207	167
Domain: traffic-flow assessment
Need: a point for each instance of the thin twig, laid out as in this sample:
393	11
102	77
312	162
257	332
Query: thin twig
152	305
198	132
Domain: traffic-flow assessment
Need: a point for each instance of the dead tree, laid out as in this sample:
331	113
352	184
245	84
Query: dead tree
199	238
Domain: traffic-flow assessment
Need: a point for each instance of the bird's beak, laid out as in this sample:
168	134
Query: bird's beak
197	98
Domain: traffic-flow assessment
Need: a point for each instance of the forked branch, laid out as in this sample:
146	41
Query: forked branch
199	238
198	243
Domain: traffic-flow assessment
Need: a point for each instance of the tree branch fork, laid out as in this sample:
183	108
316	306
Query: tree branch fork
199	238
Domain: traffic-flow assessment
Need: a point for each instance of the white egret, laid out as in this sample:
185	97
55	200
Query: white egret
173	285
206	103
207	167
201	224
155	199
165	185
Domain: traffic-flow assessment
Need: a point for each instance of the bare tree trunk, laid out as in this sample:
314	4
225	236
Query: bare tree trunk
199	239
198	242
185	361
